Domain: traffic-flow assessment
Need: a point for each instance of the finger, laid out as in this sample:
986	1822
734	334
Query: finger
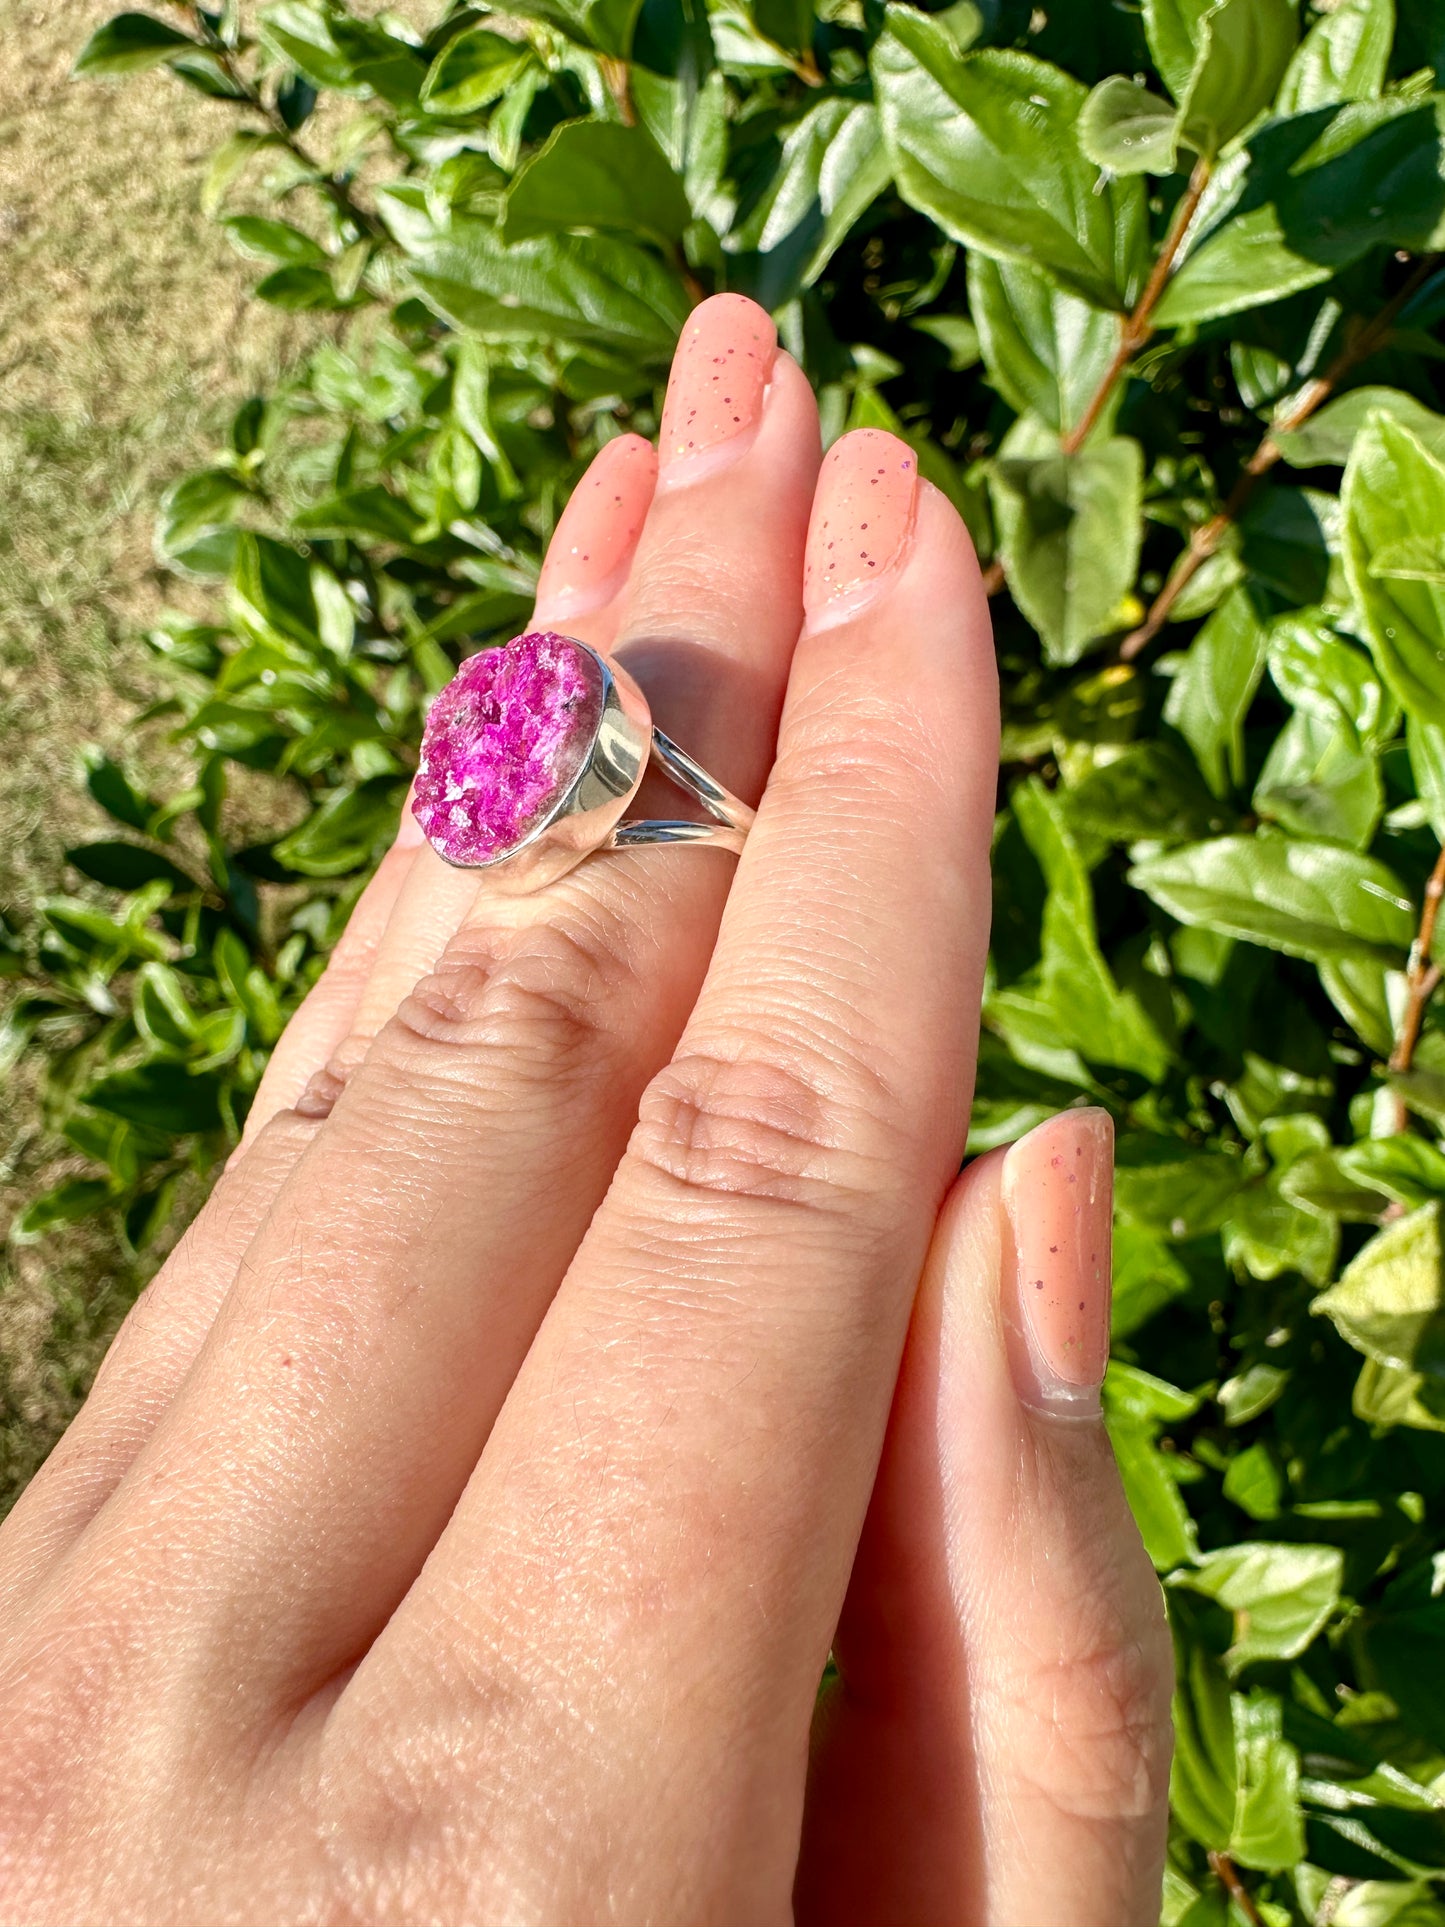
684	1463
159	1339
379	1316
996	1750
325	1016
582	581
582	586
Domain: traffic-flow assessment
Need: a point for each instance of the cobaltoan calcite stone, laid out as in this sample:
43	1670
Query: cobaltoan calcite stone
504	742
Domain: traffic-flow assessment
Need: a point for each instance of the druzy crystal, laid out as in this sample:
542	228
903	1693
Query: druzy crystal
504	741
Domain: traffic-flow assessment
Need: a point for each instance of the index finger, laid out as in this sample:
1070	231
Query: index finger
687	1454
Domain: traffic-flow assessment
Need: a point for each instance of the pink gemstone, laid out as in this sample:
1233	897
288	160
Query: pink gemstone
504	742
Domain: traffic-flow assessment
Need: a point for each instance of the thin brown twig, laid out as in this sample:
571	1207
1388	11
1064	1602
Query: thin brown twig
1229	1876
1204	542
1136	328
251	96
617	78
1422	980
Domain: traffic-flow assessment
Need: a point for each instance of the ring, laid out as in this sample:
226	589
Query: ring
532	754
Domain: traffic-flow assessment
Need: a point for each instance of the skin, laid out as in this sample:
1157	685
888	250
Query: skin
593	1333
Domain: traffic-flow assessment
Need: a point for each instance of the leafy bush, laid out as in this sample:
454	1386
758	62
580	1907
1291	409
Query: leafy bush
1154	297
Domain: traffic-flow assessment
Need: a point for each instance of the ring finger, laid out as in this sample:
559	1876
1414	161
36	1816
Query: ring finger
382	1311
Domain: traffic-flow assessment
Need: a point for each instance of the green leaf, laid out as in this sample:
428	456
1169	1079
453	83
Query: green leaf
1395	488
986	144
264	240
350	828
1329	436
1153	1495
1212	692
1320	1183
163	1015
1173	28
162	1095
115	793
1407	1653
130	41
1306	200
1427	765
1046	352
191	511
607	25
1268	1234
474	69
1243	49
1125	128
1151	791
1203	1779
126	866
1173	1188
1320	780
1318	671
270	595
1390	1300
340	53
597	174
1343	57
67	1203
1308	899
1105	1024
301	290
1281	1596
1069	528
1408	1169
1268	1830
832	166
570	287
1386	1398
786	23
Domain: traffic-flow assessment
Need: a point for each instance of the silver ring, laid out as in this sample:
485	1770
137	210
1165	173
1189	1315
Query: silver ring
531	756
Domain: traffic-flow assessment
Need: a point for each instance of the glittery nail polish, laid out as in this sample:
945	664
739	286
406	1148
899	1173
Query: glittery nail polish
1058	1190
862	519
593	541
719	376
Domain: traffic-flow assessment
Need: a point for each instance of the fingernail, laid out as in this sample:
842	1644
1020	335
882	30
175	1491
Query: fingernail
593	542
862	519
1058	1196
715	392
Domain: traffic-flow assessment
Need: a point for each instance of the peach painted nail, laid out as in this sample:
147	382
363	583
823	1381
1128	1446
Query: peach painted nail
719	375
1058	1196
594	540
862	519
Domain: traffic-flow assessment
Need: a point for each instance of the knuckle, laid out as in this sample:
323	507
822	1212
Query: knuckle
1093	1720
869	743
543	997
750	1128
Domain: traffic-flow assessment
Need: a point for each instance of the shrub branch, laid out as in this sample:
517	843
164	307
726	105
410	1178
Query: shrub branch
334	188
1422	979
1363	342
1136	328
1229	1878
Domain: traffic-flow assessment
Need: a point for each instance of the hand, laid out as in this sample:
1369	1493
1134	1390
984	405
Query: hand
462	1520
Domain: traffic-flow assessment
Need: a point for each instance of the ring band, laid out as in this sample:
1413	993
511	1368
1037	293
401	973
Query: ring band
531	756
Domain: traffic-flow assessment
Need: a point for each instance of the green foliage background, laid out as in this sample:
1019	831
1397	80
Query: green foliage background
1154	293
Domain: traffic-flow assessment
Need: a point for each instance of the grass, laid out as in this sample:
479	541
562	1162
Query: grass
126	339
